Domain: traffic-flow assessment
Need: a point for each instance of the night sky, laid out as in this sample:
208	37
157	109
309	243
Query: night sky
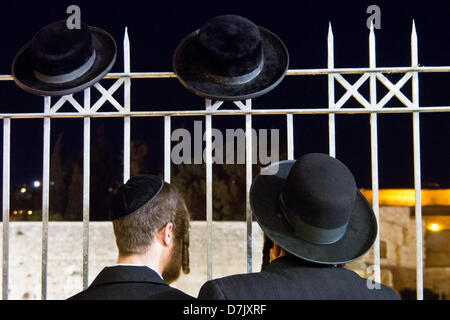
156	27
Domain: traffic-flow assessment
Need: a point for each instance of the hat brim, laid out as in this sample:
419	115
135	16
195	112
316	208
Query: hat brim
106	52
357	240
188	66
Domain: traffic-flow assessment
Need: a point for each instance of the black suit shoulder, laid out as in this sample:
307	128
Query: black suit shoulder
285	280
132	291
130	283
212	290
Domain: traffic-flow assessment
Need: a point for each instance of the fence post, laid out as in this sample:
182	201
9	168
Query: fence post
249	177
86	185
331	99
127	107
6	199
417	174
209	205
374	151
45	197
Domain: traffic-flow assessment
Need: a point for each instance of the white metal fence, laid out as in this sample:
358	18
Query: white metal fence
90	109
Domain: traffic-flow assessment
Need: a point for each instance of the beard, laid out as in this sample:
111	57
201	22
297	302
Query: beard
172	270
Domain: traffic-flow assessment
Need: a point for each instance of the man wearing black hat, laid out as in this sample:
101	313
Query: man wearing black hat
151	226
315	220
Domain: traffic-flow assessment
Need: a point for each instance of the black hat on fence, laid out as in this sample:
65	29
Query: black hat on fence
312	208
230	58
60	61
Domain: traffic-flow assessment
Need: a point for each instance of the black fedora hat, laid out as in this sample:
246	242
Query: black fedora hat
312	208
230	58
60	61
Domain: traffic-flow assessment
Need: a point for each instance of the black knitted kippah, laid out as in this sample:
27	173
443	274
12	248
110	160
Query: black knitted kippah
134	194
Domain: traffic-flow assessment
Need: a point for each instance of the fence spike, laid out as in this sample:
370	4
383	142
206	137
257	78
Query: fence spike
372	59
414	47
330	31
330	47
372	32
126	52
125	36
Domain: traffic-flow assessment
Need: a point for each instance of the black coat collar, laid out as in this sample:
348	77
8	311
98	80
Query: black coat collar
289	261
121	274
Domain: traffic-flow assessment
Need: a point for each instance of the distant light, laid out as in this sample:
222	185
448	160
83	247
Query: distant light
15	212
36	184
30	212
435	227
20	211
23	190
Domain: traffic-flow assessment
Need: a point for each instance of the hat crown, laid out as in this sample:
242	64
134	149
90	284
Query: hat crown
232	45
321	191
56	49
230	36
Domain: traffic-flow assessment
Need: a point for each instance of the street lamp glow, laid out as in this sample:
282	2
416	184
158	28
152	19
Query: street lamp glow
30	212
434	227
23	190
36	184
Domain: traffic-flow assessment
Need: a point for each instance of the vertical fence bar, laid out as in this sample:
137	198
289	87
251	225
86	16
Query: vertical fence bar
417	173
86	186
126	148
127	107
45	198
209	207
290	136
331	102
167	142
5	206
374	152
86	169
249	175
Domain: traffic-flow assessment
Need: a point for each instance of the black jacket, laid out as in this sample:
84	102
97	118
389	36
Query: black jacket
129	283
288	278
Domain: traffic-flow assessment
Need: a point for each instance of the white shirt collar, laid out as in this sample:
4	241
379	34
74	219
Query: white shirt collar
138	265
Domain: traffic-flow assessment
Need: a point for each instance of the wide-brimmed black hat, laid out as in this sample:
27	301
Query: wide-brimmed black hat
312	208
60	61
230	58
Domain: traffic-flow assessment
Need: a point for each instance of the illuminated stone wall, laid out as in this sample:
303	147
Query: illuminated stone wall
65	255
397	231
438	250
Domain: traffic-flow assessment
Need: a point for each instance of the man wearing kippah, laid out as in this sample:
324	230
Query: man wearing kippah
151	226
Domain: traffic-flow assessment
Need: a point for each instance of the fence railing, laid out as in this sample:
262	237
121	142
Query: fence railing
89	109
